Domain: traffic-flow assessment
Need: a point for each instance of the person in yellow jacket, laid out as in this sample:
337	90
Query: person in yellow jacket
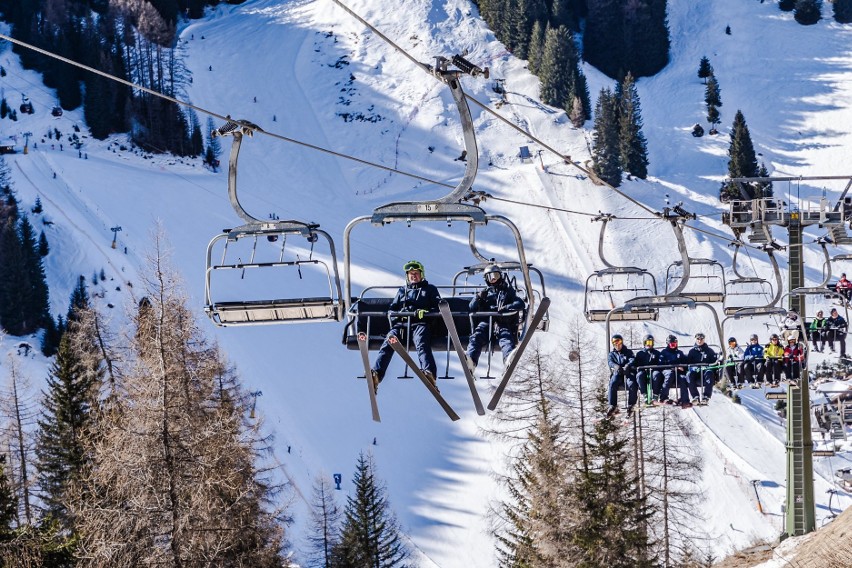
774	355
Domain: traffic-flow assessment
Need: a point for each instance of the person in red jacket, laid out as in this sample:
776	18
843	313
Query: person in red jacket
794	360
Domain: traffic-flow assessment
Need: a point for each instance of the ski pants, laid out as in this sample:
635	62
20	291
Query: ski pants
616	382
840	336
481	336
792	370
753	371
671	379
773	370
421	336
734	373
818	336
656	380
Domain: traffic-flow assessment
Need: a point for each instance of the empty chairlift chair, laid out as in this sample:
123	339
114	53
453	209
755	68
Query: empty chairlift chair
267	271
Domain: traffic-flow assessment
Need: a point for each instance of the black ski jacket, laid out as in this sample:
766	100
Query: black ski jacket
413	297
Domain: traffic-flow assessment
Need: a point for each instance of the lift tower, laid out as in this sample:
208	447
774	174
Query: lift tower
758	213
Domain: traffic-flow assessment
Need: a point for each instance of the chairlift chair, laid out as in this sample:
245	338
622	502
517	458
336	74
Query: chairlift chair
247	265
706	279
368	313
611	287
675	298
747	292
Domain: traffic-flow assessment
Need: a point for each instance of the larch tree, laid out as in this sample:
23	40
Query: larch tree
370	536
632	144
325	519
532	527
606	157
176	475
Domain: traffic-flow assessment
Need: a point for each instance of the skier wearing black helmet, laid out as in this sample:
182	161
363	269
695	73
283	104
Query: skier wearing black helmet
676	360
648	356
621	364
699	357
497	296
420	298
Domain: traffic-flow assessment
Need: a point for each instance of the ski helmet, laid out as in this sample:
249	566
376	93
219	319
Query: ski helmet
773	336
617	337
415	265
699	335
649	340
754	337
732	340
671	339
492	274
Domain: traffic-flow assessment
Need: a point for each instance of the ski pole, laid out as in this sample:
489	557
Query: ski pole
754	483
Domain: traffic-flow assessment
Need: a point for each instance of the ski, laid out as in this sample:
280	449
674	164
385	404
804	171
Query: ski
519	350
444	307
397	346
365	358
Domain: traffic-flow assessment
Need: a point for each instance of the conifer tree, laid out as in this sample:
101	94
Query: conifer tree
713	117
712	94
536	48
562	14
842	11
763	189
67	405
632	144
535	532
14	282
8	502
324	524
611	512
37	295
704	69
606	157
370	536
50	338
43	246
742	159
603	37
561	79
175	476
808	12
79	300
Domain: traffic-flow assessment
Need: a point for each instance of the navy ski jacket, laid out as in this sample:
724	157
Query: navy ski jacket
499	298
621	361
703	355
669	356
413	297
647	357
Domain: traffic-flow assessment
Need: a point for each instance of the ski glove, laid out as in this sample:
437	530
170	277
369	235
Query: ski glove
421	313
483	294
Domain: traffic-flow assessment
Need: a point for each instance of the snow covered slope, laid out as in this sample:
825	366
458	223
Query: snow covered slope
308	62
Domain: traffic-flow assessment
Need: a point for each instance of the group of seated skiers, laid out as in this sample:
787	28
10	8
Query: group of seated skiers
653	373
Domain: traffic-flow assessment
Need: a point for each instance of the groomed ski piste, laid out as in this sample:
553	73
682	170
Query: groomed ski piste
307	63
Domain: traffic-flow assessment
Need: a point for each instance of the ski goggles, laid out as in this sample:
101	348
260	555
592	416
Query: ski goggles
649	343
413	265
672	343
617	340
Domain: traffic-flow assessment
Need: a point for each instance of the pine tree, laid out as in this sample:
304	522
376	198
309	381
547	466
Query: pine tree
536	48
50	338
370	536
43	246
645	38
324	524
712	94
603	37
37	294
605	152
742	158
808	12
176	476
8	502
705	70
214	147
562	14
14	282
763	189
611	512
843	11
713	117
632	144
79	300
561	79
66	411
37	206
535	528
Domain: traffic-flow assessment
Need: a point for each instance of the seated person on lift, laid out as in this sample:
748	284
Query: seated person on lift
497	296
421	298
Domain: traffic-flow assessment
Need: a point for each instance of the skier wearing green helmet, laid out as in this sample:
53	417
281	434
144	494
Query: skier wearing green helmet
420	298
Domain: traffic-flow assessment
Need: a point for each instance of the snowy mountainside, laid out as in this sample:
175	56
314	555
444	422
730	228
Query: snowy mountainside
320	77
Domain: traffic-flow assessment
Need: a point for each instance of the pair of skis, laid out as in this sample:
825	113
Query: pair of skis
447	316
